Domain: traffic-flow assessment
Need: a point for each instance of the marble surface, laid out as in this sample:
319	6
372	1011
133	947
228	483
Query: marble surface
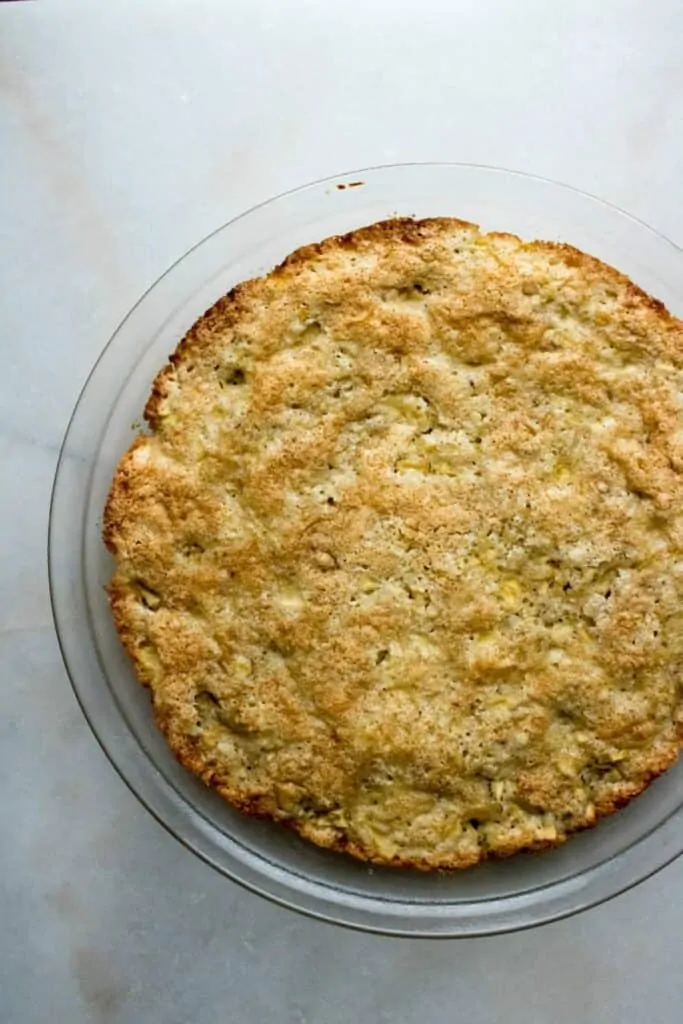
128	131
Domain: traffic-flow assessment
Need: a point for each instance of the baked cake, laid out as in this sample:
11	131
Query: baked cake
401	557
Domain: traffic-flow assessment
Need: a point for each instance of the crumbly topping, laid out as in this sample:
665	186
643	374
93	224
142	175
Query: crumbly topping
401	559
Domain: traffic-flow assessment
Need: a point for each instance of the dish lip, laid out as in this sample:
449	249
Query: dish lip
328	910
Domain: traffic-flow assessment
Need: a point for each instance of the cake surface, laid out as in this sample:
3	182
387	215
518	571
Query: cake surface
401	558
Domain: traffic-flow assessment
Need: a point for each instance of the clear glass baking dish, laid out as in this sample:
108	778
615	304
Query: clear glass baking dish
268	859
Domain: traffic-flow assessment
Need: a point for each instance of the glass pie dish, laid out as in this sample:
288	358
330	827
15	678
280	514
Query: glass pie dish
526	890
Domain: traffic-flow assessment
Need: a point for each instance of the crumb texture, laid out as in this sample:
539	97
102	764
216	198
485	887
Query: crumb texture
401	559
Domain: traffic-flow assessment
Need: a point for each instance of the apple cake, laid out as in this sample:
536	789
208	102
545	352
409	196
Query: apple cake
400	557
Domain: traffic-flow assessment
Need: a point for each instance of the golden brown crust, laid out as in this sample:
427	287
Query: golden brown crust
401	559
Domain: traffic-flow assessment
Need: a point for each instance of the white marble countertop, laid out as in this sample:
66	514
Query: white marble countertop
130	130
